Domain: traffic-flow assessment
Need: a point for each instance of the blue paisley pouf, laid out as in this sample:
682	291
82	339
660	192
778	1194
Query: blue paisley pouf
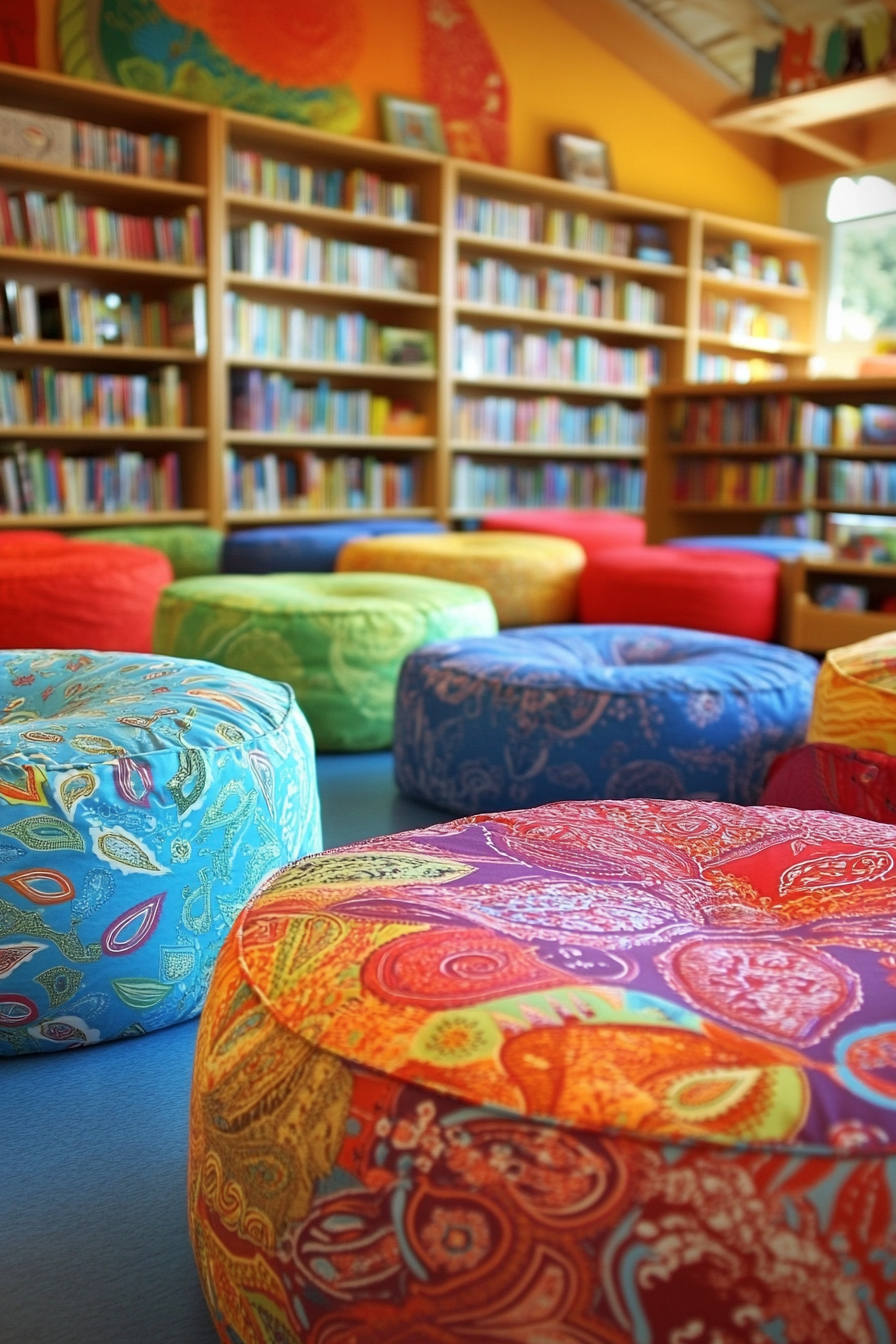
616	711
142	800
307	548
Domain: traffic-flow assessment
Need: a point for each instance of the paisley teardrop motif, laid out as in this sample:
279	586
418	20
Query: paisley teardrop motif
60	982
264	777
16	1010
96	746
122	849
44	833
133	781
134	928
72	788
42	886
14	955
138	992
40	735
225	701
188	784
28	785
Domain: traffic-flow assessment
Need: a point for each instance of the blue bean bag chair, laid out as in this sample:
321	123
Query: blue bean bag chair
778	548
559	712
305	548
142	800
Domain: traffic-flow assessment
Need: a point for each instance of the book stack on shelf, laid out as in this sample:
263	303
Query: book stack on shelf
103	204
353	232
807	462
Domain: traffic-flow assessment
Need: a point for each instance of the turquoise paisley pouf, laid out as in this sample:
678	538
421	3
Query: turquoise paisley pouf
142	800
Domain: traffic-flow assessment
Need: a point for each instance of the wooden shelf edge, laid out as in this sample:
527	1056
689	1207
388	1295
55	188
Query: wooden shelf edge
148	435
408	372
165	354
326	214
271	438
235	516
123	519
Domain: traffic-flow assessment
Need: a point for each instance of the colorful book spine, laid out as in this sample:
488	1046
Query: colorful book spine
47	397
562	485
547	420
359	191
768	421
729	481
573	230
33	221
306	481
511	353
274	403
42	481
287	252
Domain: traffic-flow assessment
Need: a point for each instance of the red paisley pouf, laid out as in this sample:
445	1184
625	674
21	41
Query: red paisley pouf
593	529
593	1073
81	595
828	777
726	592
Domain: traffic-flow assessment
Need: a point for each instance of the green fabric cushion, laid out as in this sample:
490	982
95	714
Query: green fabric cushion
191	549
338	639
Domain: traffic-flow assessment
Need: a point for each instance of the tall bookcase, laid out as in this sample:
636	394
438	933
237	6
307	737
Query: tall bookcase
572	289
195	443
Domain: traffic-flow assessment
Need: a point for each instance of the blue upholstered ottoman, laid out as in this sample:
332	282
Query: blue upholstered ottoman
142	800
560	712
778	548
305	548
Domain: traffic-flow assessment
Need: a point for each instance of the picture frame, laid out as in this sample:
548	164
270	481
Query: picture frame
411	124
583	162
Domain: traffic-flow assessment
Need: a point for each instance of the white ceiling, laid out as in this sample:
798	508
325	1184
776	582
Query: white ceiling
724	33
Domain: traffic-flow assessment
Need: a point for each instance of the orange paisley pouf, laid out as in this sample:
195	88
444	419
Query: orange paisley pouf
593	1073
855	696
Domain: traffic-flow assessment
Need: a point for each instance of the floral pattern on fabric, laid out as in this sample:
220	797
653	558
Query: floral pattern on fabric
142	800
592	1072
617	711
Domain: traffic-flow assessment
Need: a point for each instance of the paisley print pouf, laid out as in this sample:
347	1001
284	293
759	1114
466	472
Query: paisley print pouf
191	549
307	548
533	716
855	699
338	639
614	1073
142	800
827	777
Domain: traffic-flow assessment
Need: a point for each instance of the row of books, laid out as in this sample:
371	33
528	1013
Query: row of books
562	485
33	221
547	420
533	223
486	280
741	319
511	353
287	252
304	480
725	481
780	420
273	331
95	318
273	403
738	259
860	482
45	481
725	369
51	397
82	144
358	191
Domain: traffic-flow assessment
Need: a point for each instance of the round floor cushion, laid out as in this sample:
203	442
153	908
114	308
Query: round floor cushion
532	716
307	548
75	595
828	777
142	800
593	529
591	1073
855	698
532	579
192	550
778	548
727	592
338	639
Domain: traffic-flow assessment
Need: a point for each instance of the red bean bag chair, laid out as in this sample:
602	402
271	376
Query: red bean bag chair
727	592
30	541
828	777
593	529
84	595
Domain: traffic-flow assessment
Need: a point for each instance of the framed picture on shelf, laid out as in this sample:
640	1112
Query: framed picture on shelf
583	162
412	125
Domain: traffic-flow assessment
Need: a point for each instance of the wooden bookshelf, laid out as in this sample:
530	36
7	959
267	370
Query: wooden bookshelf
439	247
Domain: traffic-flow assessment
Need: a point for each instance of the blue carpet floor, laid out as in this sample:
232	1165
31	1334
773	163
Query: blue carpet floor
93	1177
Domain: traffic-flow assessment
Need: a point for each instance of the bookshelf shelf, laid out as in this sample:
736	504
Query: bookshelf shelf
553	450
138	354
552	385
572	257
241	517
260	206
114	436
113	186
457	515
358	297
23	257
335	369
743	285
757	345
793	506
272	439
124	518
542	318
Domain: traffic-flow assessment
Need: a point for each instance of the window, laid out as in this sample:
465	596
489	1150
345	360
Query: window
863	258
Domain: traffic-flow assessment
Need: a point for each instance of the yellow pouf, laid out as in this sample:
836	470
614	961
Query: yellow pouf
855	696
532	580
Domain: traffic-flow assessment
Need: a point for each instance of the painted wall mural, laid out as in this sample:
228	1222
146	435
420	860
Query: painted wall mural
289	59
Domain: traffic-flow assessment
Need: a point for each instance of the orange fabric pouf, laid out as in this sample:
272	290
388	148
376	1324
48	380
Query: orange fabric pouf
727	592
593	529
80	595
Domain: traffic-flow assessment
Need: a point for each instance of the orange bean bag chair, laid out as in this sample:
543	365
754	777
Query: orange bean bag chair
593	529
79	595
727	592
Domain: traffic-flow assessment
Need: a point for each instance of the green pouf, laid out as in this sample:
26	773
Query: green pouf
338	639
192	550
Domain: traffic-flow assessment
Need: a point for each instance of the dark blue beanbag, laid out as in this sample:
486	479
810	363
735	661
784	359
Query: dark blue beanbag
534	716
306	548
779	548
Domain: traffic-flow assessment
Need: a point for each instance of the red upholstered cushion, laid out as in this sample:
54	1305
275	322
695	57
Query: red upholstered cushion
728	592
828	777
593	529
86	596
31	541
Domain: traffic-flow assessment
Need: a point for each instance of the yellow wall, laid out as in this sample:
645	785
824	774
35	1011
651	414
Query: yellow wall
559	80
